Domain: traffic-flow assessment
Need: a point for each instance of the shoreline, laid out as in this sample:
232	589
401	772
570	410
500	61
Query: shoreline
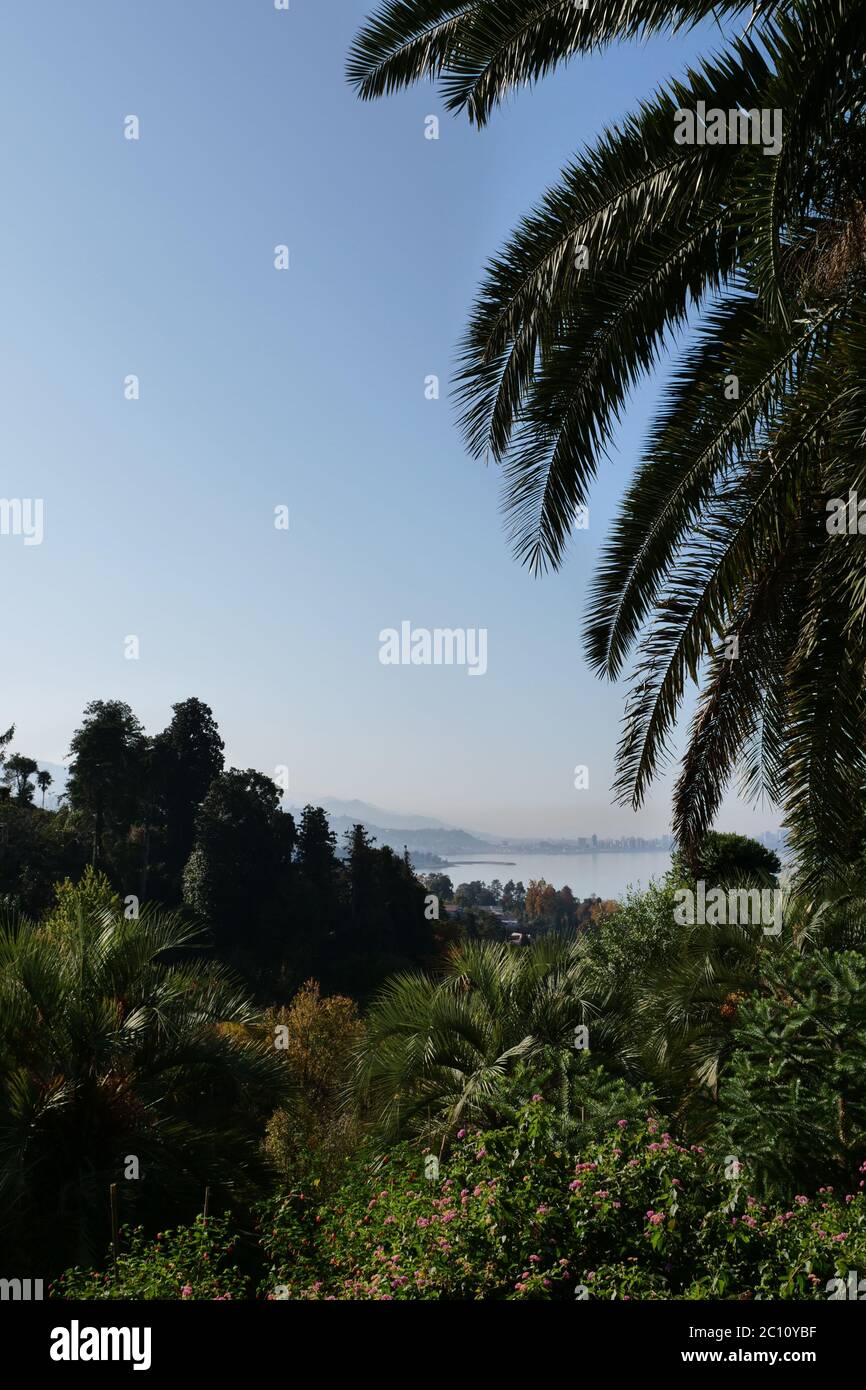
558	854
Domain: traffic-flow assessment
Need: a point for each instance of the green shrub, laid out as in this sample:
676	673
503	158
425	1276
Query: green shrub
794	1094
512	1216
191	1262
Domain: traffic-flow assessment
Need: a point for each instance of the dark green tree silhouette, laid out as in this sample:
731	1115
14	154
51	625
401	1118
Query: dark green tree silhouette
241	854
721	857
316	853
44	780
105	777
188	755
18	771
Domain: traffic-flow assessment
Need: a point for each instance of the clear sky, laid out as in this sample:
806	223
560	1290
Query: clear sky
303	388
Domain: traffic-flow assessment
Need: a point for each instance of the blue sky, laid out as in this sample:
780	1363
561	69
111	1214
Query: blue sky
304	388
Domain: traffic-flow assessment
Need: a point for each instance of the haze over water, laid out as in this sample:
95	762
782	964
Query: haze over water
606	875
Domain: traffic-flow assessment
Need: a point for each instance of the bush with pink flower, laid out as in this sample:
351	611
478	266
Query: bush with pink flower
514	1215
189	1263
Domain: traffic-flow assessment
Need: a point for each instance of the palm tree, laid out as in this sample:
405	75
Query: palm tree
757	260
482	49
438	1052
686	1010
681	1033
118	1064
43	781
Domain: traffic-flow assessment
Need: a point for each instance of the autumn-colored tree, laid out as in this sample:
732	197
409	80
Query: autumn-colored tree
541	901
602	909
532	905
317	1039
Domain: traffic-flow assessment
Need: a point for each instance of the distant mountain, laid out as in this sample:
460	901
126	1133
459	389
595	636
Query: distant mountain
441	842
424	835
363	813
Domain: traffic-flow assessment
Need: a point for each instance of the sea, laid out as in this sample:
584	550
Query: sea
603	875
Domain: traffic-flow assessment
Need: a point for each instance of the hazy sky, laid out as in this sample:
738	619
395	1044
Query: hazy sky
303	388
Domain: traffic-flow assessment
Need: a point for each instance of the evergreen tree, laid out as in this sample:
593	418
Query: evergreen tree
316	854
105	775
188	755
360	866
725	858
242	846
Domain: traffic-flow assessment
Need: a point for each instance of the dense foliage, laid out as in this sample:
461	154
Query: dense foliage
515	1214
133	1038
166	822
601	1116
190	1262
275	1060
635	1103
121	1063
